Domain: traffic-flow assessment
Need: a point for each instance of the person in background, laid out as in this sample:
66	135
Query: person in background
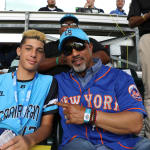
7	54
26	97
90	4
100	106
119	10
139	16
51	7
55	62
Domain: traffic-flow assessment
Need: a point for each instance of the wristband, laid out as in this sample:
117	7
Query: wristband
57	60
87	115
143	17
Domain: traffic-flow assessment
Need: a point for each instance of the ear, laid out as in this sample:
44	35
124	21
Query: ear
91	47
18	51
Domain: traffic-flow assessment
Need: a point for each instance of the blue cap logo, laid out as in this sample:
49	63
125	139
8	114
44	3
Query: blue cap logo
70	33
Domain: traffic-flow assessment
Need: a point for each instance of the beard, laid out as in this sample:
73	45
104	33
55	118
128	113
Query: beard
80	68
51	5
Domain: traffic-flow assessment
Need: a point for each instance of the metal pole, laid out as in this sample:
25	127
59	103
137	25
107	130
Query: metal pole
27	15
137	48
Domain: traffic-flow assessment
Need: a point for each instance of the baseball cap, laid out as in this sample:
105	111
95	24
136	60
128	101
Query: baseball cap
70	33
69	16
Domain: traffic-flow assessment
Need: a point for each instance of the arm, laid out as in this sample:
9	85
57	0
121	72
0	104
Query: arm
49	63
27	141
103	56
118	123
138	20
1	72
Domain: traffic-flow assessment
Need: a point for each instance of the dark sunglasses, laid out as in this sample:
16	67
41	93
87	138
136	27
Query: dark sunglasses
67	49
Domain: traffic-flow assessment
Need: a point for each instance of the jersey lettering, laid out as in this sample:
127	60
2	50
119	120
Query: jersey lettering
32	112
75	99
107	102
98	101
88	98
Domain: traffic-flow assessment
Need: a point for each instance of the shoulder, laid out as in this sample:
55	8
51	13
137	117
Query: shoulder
62	75
45	78
113	12
5	75
58	9
118	74
43	9
101	10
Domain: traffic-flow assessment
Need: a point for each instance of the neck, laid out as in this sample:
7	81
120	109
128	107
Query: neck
81	74
24	74
120	9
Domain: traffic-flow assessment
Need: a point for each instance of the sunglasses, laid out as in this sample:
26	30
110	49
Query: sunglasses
67	49
69	24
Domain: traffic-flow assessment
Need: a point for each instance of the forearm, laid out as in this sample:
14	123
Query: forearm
120	123
42	132
138	20
47	64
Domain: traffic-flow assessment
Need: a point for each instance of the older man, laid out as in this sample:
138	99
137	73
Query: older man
100	106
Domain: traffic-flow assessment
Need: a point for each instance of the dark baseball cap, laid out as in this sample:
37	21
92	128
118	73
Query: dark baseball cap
69	16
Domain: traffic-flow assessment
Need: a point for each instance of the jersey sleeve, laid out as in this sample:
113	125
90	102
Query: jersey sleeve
127	94
49	105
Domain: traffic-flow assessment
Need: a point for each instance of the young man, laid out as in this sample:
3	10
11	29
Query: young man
119	10
139	16
100	107
51	7
26	99
55	62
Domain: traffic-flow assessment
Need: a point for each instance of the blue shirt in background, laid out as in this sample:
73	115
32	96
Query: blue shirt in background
118	12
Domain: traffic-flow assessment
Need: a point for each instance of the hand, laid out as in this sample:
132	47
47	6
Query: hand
103	56
86	5
17	143
73	113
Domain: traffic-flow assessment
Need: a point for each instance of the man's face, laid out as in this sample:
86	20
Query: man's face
51	3
31	53
120	3
67	24
78	54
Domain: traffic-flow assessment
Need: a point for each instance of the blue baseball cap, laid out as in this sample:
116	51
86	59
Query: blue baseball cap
70	33
69	16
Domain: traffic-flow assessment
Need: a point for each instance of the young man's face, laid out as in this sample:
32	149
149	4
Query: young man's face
31	53
120	3
79	56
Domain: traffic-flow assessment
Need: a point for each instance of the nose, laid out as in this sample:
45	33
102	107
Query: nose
33	53
75	52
